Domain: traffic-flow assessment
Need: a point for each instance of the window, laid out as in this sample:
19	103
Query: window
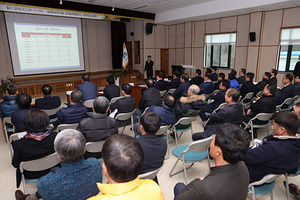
289	49
220	50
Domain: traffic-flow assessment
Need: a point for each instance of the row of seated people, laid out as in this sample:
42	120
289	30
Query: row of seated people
123	160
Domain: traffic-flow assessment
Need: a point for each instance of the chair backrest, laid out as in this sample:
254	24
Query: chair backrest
207	96
124	116
94	147
266	179
221	106
185	120
162	93
162	130
259	94
7	120
16	136
248	96
89	103
149	175
200	145
66	126
9	109
215	92
287	102
113	100
171	91
44	163
51	111
239	100
263	116
296	97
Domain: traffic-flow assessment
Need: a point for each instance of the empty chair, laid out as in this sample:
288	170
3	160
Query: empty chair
124	117
7	129
185	121
288	102
263	186
44	163
66	126
89	103
194	152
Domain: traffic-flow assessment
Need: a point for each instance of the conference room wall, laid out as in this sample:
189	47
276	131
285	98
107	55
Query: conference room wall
96	44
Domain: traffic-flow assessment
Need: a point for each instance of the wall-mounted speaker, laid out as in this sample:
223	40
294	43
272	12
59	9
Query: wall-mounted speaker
149	28
252	36
132	33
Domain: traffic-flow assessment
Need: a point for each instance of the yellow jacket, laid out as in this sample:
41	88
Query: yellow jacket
133	190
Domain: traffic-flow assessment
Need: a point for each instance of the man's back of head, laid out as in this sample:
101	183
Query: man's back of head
47	90
150	83
185	77
198	72
288	78
226	84
150	122
250	76
233	94
12	89
100	105
270	88
69	145
23	100
207	76
169	101
176	74
267	75
123	158
221	75
194	89
110	80
127	88
85	77
76	96
160	75
287	123
243	71
274	72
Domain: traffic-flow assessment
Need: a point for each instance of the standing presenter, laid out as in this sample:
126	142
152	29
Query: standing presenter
149	67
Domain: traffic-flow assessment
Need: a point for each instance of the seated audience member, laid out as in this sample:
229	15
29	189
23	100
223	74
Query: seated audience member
111	91
279	97
98	126
288	90
164	110
242	78
233	81
122	163
75	111
160	83
296	110
183	87
151	144
175	82
261	85
217	98
150	96
207	87
124	105
23	101
228	148
248	86
198	79
37	143
8	105
48	101
232	113
87	88
191	104
273	78
214	75
278	153
81	174
221	76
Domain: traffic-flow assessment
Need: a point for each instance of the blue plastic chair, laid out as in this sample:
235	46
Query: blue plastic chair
263	186
194	152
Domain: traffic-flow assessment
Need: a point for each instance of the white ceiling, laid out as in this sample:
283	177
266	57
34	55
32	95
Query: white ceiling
176	11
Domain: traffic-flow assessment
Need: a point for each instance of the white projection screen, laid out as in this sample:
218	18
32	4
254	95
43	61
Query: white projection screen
42	44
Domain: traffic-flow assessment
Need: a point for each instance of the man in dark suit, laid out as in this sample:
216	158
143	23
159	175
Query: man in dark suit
217	98
8	105
111	91
48	101
160	84
288	89
150	143
24	101
261	85
207	87
87	88
273	76
175	82
242	78
150	96
296	72
248	86
228	148
198	79
231	114
183	87
125	104
214	75
149	67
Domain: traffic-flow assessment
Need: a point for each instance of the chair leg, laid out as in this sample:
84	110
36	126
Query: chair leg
287	186
175	135
252	134
271	194
131	117
170	174
253	193
184	169
168	148
208	162
123	129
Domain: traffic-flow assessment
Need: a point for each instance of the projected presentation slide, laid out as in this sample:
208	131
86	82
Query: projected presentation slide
43	46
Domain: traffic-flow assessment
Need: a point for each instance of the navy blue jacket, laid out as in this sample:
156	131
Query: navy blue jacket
206	87
8	106
154	149
241	79
47	102
150	96
273	79
161	85
214	76
17	118
124	105
174	83
74	113
88	90
197	80
111	91
273	156
246	88
288	91
182	89
166	114
218	99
